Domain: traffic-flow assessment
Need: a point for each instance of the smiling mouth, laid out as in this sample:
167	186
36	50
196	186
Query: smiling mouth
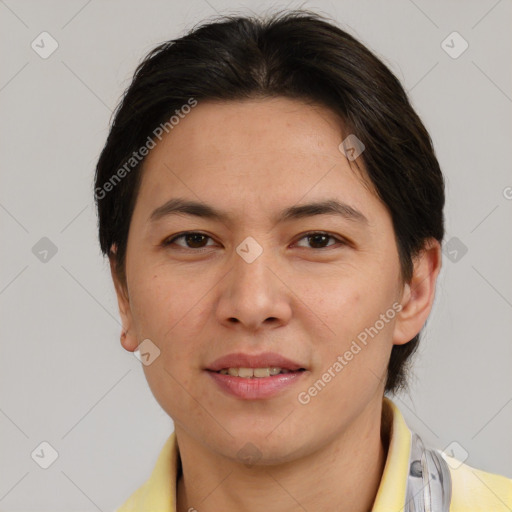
256	373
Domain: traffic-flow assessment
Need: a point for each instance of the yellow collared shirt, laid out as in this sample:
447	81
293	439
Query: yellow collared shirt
473	490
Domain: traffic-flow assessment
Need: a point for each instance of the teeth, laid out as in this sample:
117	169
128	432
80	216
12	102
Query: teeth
248	373
244	372
260	372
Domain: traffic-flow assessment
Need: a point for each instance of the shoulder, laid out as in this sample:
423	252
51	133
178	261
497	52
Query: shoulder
474	490
135	500
158	492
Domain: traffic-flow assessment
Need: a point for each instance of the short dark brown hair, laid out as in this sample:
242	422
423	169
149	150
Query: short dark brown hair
295	54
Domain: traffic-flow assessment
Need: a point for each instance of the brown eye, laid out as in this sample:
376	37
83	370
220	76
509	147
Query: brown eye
319	239
195	240
192	239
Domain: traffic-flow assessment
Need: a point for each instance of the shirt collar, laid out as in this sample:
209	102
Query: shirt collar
159	492
392	488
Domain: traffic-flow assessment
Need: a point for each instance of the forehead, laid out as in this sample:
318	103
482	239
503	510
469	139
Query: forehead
252	153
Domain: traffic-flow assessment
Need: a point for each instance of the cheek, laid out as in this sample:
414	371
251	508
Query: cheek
161	303
360	315
169	310
346	304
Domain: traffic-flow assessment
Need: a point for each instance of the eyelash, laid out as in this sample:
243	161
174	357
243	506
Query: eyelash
167	242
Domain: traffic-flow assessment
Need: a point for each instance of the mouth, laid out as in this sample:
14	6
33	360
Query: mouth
266	364
255	376
256	373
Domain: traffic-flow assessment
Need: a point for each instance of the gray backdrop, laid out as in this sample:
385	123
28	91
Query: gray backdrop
66	380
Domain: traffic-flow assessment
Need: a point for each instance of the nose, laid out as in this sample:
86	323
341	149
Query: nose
254	294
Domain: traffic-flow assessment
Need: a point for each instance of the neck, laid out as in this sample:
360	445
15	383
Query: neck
344	475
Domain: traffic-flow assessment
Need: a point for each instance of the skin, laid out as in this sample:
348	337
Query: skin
305	300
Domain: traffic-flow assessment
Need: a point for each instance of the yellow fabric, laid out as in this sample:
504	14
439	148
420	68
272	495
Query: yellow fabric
391	492
473	490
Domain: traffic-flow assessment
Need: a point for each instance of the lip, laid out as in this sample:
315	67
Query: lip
263	360
258	388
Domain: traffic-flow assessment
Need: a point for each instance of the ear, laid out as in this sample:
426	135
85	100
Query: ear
418	294
129	339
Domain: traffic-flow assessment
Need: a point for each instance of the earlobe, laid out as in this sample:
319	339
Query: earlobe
128	342
418	294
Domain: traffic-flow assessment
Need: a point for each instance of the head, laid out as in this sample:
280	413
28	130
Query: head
255	118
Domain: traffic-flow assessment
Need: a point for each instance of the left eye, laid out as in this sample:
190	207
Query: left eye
194	239
319	237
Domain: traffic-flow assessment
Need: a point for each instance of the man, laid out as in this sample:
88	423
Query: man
272	208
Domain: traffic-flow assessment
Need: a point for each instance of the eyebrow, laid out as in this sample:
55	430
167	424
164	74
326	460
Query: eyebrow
182	206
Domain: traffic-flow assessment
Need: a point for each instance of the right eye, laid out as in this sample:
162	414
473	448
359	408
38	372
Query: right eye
193	240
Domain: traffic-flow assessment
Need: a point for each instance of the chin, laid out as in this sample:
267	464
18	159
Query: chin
260	449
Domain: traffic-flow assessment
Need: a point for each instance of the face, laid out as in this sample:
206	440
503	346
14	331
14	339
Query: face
305	286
